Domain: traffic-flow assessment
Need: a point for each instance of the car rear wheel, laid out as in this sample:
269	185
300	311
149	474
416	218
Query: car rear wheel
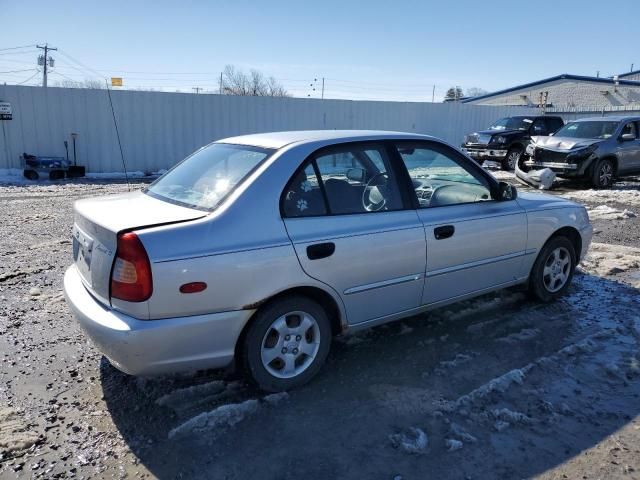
553	270
512	158
286	344
603	174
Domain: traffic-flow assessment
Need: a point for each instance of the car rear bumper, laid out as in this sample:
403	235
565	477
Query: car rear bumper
149	347
482	153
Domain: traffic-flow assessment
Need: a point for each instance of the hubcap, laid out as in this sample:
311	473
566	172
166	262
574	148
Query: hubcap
556	269
606	174
290	344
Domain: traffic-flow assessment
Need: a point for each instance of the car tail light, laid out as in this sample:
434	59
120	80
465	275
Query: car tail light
131	275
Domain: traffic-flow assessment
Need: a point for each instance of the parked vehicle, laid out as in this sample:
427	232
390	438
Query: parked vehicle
598	149
260	248
506	140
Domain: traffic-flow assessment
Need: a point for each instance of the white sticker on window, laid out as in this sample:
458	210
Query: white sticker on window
302	205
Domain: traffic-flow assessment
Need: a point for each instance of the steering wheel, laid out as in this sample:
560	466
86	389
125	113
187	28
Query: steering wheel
373	199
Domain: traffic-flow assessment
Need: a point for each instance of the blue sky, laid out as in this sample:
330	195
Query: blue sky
386	50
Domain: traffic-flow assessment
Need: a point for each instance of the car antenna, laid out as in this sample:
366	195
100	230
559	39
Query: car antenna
115	123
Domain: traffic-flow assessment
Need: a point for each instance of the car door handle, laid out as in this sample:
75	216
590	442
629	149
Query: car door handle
443	232
320	250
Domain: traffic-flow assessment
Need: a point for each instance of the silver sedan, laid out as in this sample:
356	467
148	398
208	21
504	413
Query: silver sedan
258	249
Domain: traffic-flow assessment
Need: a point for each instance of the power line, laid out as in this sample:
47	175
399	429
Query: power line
16	48
32	76
16	71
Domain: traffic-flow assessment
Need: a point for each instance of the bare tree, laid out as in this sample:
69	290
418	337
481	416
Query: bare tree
476	92
86	83
236	82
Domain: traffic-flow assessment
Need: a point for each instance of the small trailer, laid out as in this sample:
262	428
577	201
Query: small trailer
53	168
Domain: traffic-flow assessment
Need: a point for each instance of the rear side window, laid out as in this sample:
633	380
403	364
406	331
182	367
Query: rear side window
349	179
303	197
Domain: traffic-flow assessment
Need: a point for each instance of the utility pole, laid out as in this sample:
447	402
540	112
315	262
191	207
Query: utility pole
196	89
220	83
322	97
46	61
433	95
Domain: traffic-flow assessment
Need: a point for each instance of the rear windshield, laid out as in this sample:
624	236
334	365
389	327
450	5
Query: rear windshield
595	129
203	179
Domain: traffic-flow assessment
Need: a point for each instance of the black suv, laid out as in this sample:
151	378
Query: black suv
506	140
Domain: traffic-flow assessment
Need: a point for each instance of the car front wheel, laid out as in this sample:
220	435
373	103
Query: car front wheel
553	270
511	160
286	344
603	174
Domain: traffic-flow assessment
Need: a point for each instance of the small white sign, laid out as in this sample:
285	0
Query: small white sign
5	111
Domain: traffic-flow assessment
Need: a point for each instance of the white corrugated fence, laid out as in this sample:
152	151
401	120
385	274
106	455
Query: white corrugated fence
158	129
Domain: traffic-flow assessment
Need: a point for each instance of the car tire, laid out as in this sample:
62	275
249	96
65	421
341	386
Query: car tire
513	157
603	174
286	343
553	270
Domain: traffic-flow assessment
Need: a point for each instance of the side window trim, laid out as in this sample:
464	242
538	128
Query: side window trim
325	199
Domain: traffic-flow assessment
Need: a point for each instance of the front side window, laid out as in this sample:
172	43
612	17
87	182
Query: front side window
352	179
630	128
539	127
203	179
438	179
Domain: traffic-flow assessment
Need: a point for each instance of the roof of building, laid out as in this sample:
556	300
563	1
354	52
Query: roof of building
628	74
564	76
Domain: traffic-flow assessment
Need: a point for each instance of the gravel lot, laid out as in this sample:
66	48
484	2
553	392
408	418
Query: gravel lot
497	387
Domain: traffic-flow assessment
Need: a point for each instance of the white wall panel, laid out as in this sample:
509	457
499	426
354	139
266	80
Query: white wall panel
158	129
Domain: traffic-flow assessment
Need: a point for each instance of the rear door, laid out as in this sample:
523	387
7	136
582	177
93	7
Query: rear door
474	243
354	230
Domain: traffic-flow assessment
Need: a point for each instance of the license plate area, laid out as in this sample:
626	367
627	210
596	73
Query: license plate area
82	252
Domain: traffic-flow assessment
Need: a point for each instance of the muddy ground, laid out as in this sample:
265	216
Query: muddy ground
497	387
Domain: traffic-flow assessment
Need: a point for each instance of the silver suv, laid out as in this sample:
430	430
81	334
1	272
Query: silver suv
598	149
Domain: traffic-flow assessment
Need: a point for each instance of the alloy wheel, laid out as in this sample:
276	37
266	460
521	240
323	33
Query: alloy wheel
290	344
605	175
557	269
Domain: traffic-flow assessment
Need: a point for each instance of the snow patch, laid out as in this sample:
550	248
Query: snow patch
452	444
604	212
522	335
461	434
510	416
276	398
622	195
498	384
216	420
413	441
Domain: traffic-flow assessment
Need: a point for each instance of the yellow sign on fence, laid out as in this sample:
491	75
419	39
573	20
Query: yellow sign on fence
116	81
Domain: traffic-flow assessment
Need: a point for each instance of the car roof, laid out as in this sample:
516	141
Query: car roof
280	139
610	118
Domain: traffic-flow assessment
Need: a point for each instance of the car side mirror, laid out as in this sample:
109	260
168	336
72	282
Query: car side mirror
506	192
357	174
627	137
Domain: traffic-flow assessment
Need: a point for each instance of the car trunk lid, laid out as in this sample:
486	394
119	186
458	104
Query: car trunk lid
97	224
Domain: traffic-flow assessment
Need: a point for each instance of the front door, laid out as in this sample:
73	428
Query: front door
628	151
351	229
474	242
